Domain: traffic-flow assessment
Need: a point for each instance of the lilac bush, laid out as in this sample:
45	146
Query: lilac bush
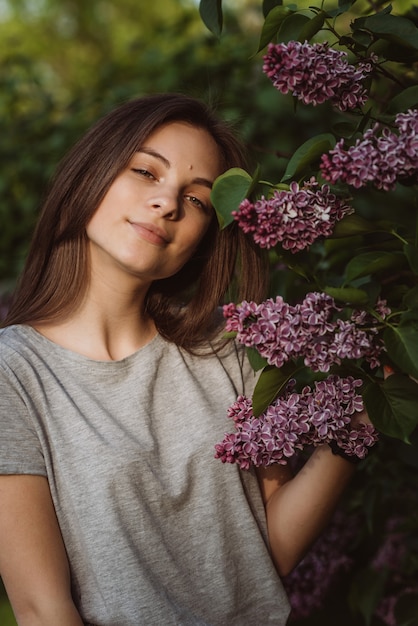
365	255
296	217
316	73
381	159
312	330
295	421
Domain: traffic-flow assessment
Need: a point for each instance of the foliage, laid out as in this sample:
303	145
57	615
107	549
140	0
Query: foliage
360	152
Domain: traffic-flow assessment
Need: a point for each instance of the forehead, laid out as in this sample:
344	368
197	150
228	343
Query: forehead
183	143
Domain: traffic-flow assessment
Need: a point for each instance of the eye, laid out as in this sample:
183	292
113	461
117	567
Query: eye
143	172
199	203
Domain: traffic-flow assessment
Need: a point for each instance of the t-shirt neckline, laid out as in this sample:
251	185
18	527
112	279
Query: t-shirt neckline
61	351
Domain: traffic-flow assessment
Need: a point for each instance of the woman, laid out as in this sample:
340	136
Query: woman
114	389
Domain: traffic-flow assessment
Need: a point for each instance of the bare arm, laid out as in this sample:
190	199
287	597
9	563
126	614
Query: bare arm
33	562
299	507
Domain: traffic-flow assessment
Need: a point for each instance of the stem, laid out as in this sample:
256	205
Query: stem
378	66
394	314
266	182
389	75
332	30
395	234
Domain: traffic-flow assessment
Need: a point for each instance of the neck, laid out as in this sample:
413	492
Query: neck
110	324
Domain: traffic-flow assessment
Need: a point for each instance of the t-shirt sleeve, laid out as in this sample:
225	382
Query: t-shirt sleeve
20	447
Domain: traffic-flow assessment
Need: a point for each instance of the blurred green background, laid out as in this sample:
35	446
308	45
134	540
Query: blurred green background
6	613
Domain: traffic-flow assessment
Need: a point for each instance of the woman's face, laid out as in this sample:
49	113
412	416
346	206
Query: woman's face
158	209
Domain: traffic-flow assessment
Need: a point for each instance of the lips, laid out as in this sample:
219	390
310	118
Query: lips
151	233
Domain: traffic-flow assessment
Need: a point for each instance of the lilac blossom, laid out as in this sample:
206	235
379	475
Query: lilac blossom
381	160
312	330
296	217
315	73
296	420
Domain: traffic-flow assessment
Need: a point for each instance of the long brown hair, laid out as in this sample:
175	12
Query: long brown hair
56	274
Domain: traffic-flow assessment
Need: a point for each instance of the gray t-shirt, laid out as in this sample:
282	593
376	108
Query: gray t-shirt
157	531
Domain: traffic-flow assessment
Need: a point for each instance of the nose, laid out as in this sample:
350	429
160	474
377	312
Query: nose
166	204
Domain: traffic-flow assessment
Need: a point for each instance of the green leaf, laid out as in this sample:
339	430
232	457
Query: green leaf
407	99
211	14
348	295
411	253
343	7
352	225
410	299
228	191
308	154
269	5
393	51
395	28
344	129
292	26
254	182
272	380
373	262
402	345
362	38
255	359
272	25
392	406
312	27
366	591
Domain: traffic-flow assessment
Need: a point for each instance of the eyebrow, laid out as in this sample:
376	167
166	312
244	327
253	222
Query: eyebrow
197	181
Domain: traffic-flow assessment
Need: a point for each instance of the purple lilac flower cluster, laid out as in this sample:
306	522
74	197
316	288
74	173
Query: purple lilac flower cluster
297	420
294	217
378	159
280	331
314	73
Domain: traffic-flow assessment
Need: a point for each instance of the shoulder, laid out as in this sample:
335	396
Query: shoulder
21	353
14	341
11	343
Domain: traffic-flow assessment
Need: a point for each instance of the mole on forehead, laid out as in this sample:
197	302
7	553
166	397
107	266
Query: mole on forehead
190	167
